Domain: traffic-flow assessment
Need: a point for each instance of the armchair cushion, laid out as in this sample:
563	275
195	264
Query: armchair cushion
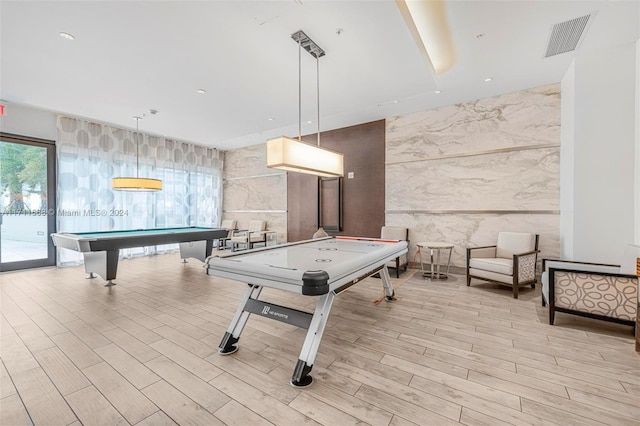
396	233
497	265
229	224
510	243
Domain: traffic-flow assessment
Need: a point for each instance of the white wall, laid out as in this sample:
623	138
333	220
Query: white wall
637	176
600	148
567	136
27	121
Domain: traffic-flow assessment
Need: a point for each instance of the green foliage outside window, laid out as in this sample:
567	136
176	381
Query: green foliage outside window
23	168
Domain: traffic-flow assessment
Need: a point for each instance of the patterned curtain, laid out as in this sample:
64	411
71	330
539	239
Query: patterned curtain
89	155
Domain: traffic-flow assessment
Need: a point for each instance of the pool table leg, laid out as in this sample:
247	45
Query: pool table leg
103	263
301	377
231	337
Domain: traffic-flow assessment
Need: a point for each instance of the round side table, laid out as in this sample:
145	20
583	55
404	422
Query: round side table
435	248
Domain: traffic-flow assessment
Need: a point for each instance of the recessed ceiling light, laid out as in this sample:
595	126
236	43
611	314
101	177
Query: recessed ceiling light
480	35
437	91
67	36
309	121
395	102
270	118
201	91
488	79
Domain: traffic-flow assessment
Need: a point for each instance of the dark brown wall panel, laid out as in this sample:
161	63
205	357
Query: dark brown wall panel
302	205
363	147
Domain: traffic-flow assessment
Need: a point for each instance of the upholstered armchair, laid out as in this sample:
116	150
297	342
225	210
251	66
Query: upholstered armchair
255	234
594	290
511	262
230	225
396	233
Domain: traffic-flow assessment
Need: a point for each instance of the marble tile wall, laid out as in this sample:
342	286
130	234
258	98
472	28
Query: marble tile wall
254	192
519	119
474	230
462	173
512	180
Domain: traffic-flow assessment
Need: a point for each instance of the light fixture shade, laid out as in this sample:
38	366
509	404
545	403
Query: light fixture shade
288	154
428	23
136	184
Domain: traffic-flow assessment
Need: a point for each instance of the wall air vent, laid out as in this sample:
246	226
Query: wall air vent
565	36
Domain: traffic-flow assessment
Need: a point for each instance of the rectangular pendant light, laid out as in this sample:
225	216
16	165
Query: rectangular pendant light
288	154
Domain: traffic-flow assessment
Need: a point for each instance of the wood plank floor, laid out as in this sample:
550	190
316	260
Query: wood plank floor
144	352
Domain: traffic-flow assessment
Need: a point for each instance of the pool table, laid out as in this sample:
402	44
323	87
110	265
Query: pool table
321	268
101	249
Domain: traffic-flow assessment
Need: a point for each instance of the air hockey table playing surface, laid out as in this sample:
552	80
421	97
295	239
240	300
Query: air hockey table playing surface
323	268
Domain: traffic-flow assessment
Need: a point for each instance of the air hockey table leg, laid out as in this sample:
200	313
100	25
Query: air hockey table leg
301	377
386	284
228	345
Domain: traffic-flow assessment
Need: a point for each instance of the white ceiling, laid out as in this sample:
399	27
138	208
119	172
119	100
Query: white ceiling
131	56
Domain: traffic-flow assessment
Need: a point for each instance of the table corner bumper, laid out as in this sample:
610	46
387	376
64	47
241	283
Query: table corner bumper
315	283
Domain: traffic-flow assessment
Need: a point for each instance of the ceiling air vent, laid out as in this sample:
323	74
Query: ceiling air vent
565	36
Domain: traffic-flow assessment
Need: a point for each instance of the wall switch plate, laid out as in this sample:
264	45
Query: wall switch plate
350	175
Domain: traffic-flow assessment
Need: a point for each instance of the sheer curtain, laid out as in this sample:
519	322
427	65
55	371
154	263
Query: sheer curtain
90	154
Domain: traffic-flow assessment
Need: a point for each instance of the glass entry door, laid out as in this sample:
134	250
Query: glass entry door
27	202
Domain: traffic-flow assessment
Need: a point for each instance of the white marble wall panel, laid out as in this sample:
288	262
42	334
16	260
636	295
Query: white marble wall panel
256	193
474	230
249	161
513	180
473	160
275	222
258	197
528	117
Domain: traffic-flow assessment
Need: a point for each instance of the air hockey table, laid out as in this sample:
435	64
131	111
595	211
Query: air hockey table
321	268
101	250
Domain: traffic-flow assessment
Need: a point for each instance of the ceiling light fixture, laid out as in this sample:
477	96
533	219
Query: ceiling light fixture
428	23
67	36
437	91
296	156
201	91
136	183
488	79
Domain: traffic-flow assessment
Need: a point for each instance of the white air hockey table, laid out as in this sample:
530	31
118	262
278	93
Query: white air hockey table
322	268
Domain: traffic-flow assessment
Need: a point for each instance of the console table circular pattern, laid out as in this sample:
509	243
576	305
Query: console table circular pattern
435	267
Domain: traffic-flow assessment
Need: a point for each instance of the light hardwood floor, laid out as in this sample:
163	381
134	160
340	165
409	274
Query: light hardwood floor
144	352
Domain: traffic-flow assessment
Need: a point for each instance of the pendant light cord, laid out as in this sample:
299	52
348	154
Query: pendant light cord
318	94
299	89
137	155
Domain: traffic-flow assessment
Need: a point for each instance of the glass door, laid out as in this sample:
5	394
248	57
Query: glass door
27	202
